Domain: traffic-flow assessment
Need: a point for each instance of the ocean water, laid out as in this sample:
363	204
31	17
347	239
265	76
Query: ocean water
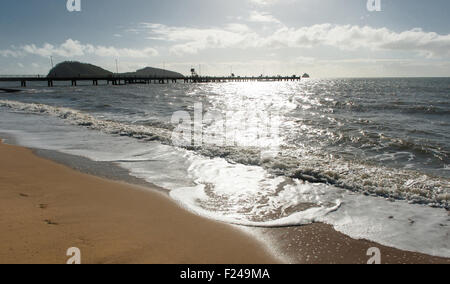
368	156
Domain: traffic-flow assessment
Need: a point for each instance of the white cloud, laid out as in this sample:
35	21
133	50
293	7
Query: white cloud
305	60
11	53
239	28
73	48
122	52
185	40
262	17
264	2
347	37
192	40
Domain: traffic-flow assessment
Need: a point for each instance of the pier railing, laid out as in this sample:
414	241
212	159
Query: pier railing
123	79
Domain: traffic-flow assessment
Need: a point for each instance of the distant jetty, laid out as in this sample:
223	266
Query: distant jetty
75	72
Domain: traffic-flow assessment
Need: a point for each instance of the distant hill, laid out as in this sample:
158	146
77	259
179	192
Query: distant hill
77	69
155	72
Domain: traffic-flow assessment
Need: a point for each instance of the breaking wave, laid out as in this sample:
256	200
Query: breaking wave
311	166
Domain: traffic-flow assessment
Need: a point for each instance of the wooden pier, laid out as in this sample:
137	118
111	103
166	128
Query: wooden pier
125	80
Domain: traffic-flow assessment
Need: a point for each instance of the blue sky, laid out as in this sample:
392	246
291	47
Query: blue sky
327	38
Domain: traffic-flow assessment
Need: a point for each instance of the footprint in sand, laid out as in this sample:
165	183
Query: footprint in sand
50	222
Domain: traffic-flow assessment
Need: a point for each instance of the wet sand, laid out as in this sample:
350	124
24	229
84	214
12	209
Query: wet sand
322	244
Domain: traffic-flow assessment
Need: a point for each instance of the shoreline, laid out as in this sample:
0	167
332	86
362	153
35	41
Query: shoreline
47	208
316	243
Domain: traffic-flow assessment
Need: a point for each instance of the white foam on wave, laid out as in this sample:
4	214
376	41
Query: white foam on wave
409	227
398	224
242	195
83	119
248	196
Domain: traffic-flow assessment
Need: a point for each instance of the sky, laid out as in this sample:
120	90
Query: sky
325	38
